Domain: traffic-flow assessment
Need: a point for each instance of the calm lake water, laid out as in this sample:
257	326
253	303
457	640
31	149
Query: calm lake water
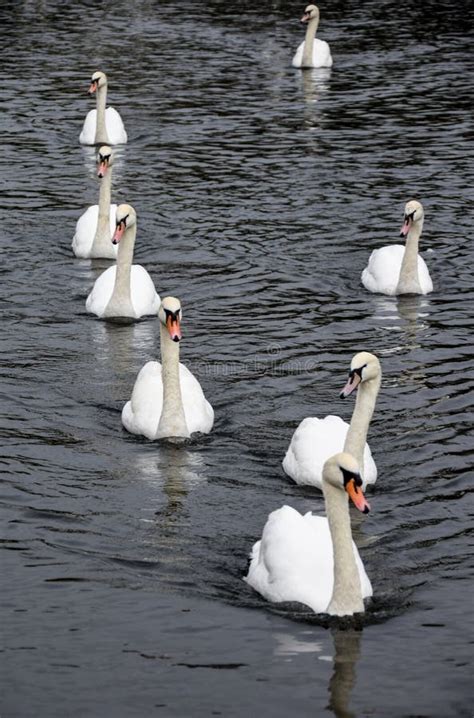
260	193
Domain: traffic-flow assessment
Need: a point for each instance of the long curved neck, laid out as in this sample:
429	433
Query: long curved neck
408	281
120	303
346	596
360	421
100	131
307	60
102	238
172	421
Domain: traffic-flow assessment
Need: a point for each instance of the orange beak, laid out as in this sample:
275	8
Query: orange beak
119	232
357	497
305	17
92	88
102	169
352	384
174	328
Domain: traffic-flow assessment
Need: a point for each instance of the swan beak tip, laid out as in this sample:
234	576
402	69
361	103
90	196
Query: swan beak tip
405	228
352	384
174	328
357	497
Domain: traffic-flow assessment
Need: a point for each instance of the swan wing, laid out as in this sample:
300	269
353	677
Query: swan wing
198	412
86	227
141	415
383	270
145	299
87	136
321	54
293	560
314	441
298	56
115	127
101	292
426	283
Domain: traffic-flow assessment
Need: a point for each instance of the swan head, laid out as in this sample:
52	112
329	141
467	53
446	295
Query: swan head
104	160
364	367
342	472
98	79
125	217
170	315
311	12
413	213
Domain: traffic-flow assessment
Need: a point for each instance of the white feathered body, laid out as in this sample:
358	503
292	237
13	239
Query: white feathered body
145	300
321	54
294	560
141	415
316	440
86	227
114	126
383	271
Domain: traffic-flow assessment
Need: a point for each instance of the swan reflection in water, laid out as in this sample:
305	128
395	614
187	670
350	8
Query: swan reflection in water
172	472
346	653
406	315
343	679
121	350
315	82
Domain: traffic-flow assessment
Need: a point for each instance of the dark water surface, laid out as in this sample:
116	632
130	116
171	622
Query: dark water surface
260	192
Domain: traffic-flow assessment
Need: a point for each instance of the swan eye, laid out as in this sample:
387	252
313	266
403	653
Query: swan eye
123	220
357	371
174	316
351	476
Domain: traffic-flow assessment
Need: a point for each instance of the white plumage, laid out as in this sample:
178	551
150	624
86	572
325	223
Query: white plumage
382	273
143	295
294	561
141	415
86	226
116	134
321	56
312	443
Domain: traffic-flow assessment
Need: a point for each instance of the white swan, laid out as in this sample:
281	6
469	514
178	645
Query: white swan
315	440
167	400
312	559
102	126
399	269
124	290
312	52
95	227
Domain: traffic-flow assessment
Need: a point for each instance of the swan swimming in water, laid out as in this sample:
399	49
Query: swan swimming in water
312	559
398	269
102	126
312	52
315	440
167	399
95	227
125	290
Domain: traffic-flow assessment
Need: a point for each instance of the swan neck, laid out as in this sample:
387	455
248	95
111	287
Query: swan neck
100	130
346	597
408	281
307	60
102	237
120	303
172	421
361	417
